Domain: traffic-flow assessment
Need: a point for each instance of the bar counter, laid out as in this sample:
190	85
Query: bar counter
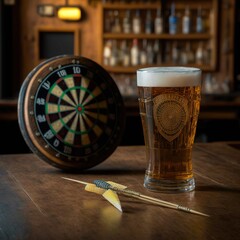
36	203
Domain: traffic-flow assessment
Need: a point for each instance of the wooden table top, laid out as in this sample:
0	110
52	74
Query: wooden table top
36	203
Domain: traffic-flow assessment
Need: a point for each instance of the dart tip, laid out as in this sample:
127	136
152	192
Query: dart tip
74	180
199	213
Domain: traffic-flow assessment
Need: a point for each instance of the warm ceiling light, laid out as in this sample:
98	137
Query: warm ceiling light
69	13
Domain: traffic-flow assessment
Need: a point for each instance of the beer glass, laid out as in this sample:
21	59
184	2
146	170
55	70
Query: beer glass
169	102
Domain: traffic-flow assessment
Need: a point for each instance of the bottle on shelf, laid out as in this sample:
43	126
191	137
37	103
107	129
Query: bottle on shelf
148	22
175	53
136	23
157	52
109	21
207	84
199	21
158	22
173	21
199	54
207	54
114	58
186	21
127	22
190	53
120	52
150	54
143	53
124	54
187	54
116	26
135	53
183	56
167	52
107	52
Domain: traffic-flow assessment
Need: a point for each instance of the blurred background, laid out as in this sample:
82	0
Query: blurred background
123	36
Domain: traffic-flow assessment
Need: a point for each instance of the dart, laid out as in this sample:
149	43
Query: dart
121	189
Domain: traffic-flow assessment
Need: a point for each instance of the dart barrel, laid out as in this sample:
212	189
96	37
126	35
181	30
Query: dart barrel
70	112
102	184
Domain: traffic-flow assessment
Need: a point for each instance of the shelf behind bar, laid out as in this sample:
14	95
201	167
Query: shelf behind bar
143	6
191	36
133	69
132	6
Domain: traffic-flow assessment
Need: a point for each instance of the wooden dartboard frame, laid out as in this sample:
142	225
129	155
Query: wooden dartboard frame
70	112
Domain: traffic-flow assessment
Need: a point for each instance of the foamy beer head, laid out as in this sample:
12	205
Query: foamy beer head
168	77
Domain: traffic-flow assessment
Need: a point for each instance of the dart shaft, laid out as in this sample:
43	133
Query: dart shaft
156	201
174	206
136	194
74	180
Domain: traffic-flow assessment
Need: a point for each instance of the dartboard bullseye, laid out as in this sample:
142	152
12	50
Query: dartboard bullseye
71	113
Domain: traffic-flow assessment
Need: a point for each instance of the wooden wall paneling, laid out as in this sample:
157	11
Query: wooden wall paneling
225	70
214	32
230	6
101	39
29	21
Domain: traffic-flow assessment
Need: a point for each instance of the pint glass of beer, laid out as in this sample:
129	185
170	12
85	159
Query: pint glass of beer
169	102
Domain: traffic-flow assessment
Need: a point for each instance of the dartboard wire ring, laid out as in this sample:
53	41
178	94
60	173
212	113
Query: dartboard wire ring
29	127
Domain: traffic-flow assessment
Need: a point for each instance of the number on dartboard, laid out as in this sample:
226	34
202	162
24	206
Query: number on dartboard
46	85
49	134
56	143
62	73
41	118
76	70
67	150
40	101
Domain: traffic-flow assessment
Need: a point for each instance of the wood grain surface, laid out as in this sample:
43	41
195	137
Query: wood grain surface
36	203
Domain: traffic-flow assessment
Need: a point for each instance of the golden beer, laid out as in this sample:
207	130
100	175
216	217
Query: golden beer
169	102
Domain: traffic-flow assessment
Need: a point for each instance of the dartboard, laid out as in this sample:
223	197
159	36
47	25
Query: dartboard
71	113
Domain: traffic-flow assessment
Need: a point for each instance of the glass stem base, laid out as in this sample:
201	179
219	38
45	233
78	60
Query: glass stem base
169	185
